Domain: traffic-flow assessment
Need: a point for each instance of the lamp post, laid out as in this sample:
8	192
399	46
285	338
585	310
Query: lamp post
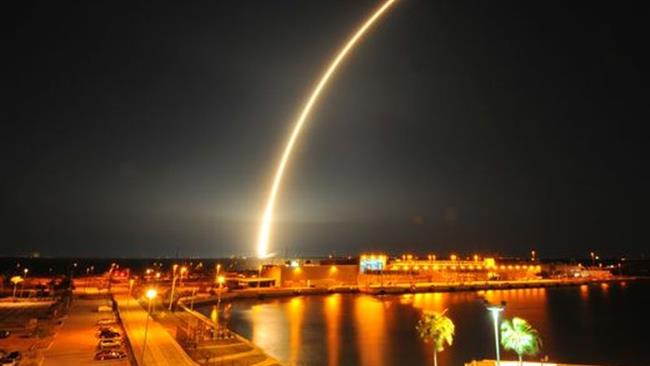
22	284
220	280
192	302
131	282
495	310
183	270
217	274
171	296
151	294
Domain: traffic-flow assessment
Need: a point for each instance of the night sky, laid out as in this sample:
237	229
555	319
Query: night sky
144	128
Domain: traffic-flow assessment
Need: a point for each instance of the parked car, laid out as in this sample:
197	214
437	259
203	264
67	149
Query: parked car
8	362
4	333
15	355
110	355
109	334
104	308
106	321
106	328
109	343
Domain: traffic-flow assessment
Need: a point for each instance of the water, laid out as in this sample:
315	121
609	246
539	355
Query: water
595	324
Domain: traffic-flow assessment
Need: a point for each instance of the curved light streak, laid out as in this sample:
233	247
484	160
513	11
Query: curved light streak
265	228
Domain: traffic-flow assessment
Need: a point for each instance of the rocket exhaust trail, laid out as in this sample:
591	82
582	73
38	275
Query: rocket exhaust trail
267	218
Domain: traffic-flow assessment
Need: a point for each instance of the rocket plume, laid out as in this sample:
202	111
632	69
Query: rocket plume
267	218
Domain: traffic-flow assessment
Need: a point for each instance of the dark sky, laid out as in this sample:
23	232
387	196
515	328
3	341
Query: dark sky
140	128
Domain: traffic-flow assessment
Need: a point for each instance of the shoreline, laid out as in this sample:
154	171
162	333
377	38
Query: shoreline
377	290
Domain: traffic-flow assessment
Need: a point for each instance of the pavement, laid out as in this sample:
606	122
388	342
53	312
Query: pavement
75	343
161	348
28	335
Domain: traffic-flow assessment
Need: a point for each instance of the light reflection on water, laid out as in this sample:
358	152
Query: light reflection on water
295	312
332	312
371	329
347	329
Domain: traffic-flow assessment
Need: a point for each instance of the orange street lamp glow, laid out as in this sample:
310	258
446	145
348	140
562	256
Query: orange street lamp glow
151	293
267	218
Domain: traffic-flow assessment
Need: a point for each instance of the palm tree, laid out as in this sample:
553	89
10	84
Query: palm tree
16	280
519	336
438	329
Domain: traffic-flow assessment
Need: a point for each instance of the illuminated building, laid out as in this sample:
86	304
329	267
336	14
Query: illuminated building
379	270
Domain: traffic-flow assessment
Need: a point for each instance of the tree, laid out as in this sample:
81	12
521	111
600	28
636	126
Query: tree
438	329
519	336
16	280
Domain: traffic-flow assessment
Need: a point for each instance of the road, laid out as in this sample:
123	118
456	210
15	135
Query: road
75	343
161	348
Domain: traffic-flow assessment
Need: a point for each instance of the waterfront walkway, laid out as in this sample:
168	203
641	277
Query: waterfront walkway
516	363
161	348
237	351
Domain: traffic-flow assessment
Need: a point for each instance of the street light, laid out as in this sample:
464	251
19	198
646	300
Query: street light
193	294
151	294
218	273
131	282
183	270
220	280
171	296
22	284
495	310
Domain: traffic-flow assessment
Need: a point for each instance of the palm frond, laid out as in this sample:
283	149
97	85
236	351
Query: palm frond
436	328
520	337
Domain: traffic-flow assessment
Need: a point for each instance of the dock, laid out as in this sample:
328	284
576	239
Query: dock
161	348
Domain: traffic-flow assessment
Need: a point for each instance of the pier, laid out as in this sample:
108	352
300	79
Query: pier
164	349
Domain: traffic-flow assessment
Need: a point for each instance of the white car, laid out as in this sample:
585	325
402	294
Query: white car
110	344
104	308
106	321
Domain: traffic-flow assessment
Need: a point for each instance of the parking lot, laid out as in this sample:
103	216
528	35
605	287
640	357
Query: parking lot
30	329
75	343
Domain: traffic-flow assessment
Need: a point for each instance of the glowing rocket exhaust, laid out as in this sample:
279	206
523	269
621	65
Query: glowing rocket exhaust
267	218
